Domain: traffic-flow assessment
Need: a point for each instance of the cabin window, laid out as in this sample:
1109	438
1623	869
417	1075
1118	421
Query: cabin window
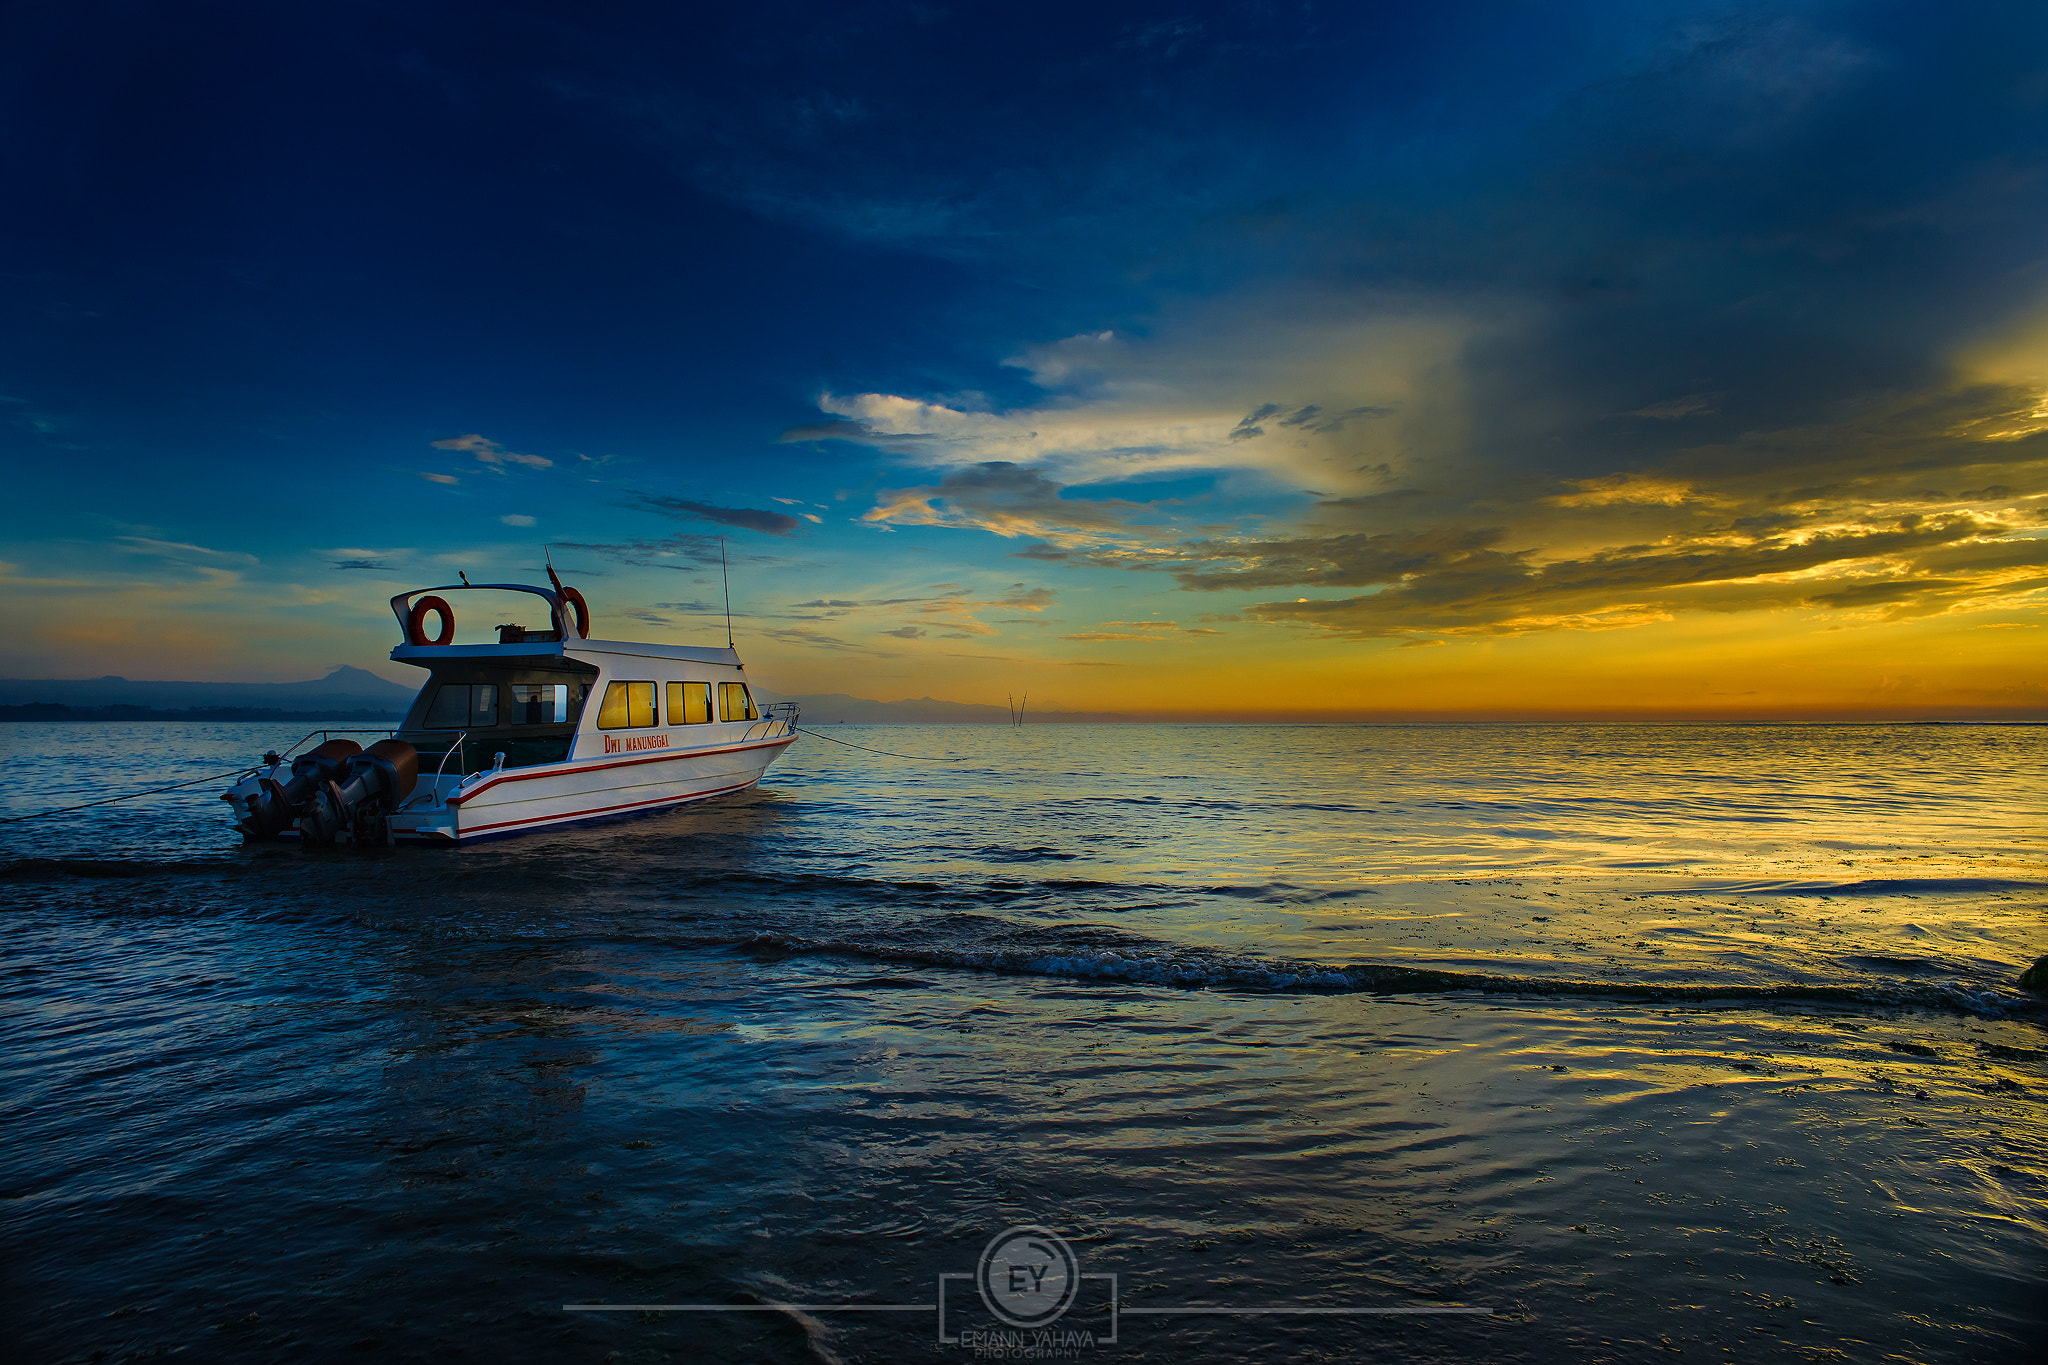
627	706
463	706
539	703
689	703
734	703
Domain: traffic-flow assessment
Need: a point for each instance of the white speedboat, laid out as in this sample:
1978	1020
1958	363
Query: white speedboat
541	728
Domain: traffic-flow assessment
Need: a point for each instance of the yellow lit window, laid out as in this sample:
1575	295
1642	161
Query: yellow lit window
689	703
627	706
734	703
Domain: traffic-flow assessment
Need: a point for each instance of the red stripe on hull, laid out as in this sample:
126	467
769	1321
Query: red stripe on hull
529	774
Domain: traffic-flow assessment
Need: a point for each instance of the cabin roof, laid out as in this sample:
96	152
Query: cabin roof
695	653
606	654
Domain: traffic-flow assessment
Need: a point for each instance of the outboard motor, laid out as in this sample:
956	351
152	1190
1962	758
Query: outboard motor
278	804
361	799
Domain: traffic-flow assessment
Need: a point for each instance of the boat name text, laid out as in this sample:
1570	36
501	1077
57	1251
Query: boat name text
629	743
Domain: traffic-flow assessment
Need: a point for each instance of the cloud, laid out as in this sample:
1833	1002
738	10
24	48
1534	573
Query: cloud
1311	418
1025	599
799	635
947	607
360	558
440	478
1278	384
864	433
489	452
516	519
195	556
1010	501
1672	409
1645	490
1485	591
1141	630
1248	427
684	552
1845	514
1353	560
747	518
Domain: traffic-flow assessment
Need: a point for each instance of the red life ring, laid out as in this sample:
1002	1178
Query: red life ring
573	598
415	622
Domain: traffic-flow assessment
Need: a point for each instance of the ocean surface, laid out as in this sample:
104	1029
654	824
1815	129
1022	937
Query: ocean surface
1638	1039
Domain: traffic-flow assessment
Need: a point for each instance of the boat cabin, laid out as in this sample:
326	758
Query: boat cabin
548	696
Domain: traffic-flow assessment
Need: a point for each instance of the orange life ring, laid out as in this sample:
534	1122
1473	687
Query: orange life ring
573	598
416	622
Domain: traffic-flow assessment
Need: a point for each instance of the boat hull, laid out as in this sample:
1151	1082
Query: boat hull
498	805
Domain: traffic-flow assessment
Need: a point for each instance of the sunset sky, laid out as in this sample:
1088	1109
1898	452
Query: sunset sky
1432	359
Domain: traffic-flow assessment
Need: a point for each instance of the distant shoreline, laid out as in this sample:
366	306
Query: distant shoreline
53	711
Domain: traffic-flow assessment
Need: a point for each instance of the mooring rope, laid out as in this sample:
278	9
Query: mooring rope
926	758
83	805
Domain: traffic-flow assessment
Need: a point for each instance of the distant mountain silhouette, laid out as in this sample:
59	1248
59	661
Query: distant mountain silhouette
346	689
43	710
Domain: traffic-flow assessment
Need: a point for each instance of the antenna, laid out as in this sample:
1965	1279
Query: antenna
725	577
547	556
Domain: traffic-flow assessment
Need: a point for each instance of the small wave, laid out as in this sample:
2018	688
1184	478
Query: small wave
1276	893
672	883
1880	962
52	869
1154	964
997	854
1885	886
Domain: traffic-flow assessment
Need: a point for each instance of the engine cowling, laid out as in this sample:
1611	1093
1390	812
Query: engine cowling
361	797
273	808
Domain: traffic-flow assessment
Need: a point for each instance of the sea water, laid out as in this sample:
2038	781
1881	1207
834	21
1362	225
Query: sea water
1620	1039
